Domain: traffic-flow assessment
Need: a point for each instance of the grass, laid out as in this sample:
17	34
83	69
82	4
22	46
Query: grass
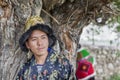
115	77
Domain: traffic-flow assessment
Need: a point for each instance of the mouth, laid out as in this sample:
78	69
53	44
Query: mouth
41	48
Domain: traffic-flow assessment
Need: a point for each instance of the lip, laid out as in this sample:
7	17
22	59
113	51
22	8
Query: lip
40	48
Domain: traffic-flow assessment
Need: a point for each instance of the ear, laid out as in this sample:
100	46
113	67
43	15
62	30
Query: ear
27	45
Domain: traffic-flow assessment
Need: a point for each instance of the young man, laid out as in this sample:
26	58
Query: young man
45	64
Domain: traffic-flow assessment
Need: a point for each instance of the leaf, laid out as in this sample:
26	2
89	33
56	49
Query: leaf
118	19
117	3
118	28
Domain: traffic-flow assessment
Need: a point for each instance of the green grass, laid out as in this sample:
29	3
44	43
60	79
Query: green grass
115	77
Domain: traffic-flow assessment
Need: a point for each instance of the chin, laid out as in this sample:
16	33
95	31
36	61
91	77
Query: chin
42	53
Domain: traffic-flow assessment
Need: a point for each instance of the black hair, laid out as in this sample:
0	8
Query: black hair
41	27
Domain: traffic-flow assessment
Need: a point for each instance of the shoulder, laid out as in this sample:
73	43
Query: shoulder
25	67
64	61
60	58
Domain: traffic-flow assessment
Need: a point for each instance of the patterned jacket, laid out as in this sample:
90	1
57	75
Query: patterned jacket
56	67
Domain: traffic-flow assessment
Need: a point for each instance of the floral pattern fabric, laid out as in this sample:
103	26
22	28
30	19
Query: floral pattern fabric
56	67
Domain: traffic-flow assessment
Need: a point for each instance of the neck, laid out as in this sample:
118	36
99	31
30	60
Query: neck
40	59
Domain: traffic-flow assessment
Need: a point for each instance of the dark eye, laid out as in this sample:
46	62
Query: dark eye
44	37
33	39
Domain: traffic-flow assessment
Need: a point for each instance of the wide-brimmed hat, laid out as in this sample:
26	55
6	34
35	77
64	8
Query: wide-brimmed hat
36	23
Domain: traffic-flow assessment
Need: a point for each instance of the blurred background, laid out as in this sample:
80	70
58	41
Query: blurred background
104	44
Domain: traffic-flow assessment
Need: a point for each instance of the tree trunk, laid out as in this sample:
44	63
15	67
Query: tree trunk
67	18
12	19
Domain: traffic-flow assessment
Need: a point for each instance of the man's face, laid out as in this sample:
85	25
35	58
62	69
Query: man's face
38	43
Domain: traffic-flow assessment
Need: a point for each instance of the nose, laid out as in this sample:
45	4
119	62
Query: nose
39	42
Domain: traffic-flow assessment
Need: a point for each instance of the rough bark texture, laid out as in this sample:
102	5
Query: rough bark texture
67	18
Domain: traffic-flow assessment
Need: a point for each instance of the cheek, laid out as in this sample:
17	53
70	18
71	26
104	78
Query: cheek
46	42
32	45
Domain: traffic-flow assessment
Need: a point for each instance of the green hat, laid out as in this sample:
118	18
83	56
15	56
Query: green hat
84	54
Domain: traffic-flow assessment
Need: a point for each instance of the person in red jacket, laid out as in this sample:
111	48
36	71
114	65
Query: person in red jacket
85	70
84	65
